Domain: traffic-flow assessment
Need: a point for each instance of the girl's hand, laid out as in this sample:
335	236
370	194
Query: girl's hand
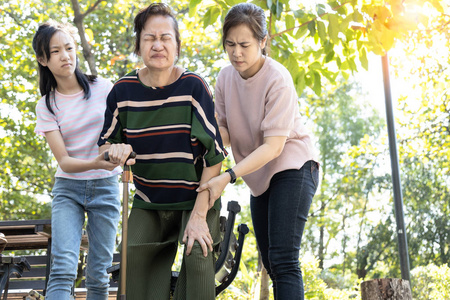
119	153
215	186
101	163
197	230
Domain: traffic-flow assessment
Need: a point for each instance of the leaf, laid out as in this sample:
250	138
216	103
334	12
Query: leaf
90	34
321	30
317	87
329	56
333	28
437	5
279	9
301	32
312	27
300	81
363	58
321	9
193	7
299	13
387	38
290	22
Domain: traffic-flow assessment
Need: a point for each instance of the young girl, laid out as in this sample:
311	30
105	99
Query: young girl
273	152
70	116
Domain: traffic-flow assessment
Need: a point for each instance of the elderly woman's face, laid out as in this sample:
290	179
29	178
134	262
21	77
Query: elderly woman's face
158	47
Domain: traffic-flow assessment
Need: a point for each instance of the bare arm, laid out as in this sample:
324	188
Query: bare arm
225	136
70	164
197	228
269	150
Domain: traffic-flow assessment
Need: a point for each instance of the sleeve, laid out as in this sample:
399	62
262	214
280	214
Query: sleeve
112	129
45	120
280	109
204	125
220	104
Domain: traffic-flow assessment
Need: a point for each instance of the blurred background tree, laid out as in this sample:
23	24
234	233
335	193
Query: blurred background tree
326	45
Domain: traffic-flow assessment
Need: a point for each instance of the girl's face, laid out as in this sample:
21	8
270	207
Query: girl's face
244	50
62	60
158	47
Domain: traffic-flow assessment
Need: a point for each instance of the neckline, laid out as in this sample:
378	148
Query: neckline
158	87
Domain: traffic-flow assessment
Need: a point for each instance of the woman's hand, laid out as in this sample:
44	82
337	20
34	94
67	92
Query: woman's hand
215	186
101	163
197	230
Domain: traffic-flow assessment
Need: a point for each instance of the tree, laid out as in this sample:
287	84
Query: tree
322	44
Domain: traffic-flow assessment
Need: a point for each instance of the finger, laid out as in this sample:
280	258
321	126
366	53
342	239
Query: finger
131	162
190	243
203	187
204	247
185	238
124	155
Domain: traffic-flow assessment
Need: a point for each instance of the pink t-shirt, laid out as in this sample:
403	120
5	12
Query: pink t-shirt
262	106
80	122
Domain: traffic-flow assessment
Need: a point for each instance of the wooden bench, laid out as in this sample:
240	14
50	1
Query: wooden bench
20	274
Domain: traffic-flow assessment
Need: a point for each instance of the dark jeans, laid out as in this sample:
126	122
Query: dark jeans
279	217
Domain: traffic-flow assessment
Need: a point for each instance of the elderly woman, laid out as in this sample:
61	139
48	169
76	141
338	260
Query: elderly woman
165	114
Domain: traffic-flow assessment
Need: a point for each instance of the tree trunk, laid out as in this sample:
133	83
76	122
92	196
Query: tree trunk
264	295
386	289
78	20
321	250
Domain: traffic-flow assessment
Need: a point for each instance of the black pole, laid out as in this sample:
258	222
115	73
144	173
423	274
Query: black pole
398	201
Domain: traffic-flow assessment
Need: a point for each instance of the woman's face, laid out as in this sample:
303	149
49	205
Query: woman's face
63	57
158	46
244	50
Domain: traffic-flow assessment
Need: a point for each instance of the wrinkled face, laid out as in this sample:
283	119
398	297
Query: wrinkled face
244	50
63	57
158	46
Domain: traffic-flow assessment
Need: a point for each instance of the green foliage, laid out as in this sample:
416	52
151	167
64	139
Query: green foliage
323	44
431	282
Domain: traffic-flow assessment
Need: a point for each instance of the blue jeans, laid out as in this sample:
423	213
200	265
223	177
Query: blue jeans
279	217
100	200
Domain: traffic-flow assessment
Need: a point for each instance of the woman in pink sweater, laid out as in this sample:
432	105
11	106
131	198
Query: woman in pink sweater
258	116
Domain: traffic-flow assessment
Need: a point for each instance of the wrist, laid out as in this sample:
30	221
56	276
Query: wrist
232	175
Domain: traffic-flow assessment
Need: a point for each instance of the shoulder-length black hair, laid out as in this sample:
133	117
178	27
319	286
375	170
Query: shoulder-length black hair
41	46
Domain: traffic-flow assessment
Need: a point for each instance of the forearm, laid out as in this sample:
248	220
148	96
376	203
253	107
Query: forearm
225	136
74	165
269	150
201	206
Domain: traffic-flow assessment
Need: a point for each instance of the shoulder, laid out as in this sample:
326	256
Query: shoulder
226	71
130	77
40	105
101	83
194	81
192	77
276	70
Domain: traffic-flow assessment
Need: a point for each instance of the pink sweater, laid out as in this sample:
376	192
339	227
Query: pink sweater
262	106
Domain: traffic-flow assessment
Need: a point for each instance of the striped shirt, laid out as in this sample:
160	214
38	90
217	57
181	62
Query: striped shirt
80	121
174	133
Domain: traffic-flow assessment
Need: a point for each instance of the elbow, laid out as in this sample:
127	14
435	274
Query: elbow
276	151
65	169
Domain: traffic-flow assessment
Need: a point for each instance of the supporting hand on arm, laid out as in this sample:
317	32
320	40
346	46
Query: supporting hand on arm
269	150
